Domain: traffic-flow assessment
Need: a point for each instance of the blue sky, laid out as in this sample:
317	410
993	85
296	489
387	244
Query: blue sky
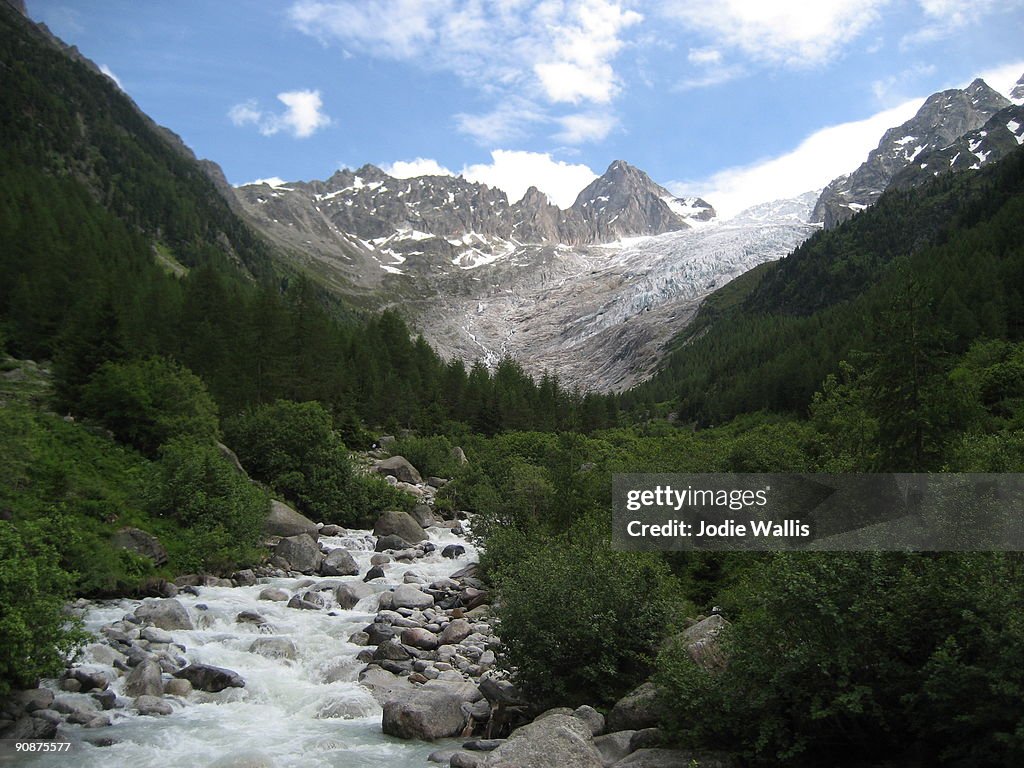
735	100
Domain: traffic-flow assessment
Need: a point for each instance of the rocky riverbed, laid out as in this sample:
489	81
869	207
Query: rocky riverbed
346	648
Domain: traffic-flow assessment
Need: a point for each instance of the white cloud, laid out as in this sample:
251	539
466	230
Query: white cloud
535	52
514	172
303	117
509	120
110	73
421	166
1004	77
793	33
704	56
584	127
819	158
945	17
273	181
893	89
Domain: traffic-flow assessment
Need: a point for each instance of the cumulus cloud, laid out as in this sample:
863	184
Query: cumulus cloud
1004	77
302	117
273	181
538	52
818	159
792	33
421	166
514	172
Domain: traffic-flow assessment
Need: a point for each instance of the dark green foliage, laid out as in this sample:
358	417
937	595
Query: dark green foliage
864	659
223	512
769	340
145	403
579	622
36	637
293	448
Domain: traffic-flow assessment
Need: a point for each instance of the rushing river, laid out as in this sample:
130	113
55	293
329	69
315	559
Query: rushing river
304	712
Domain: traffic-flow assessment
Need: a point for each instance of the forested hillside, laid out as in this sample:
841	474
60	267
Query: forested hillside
943	264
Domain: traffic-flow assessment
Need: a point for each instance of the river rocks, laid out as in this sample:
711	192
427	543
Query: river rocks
205	677
177	686
637	709
702	643
89	679
423	515
144	680
151	705
284	521
141	543
559	740
347	595
275	594
409	596
426	714
418	637
590	716
273	647
400	524
462	759
391	541
400	469
303	603
614	746
456	631
453	551
165	613
301	552
646	738
339	562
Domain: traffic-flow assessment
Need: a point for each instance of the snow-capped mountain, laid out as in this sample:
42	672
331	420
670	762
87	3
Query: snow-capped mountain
943	118
366	222
1002	134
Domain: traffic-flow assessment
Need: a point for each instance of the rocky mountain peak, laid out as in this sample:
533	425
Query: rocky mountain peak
944	117
1017	92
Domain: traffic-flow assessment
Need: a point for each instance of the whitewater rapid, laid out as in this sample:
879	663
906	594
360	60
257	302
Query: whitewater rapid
304	712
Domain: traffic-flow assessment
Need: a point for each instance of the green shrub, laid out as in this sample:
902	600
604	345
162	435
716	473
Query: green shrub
36	638
145	403
223	512
579	622
863	659
293	448
430	455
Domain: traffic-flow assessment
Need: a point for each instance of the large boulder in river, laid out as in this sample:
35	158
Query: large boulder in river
433	711
400	524
351	592
141	543
638	709
144	680
391	541
301	552
339	562
400	469
205	677
410	596
557	740
285	521
166	613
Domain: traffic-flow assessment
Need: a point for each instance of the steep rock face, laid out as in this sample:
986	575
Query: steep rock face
1017	94
943	118
623	202
365	222
1002	134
